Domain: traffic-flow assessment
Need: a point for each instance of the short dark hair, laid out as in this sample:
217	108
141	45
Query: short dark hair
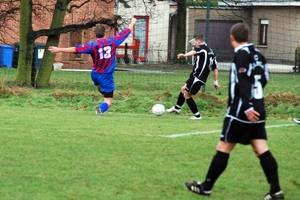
199	37
99	31
240	32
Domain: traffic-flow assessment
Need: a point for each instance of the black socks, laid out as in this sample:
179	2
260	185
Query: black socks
217	166
180	101
190	102
270	168
220	161
192	105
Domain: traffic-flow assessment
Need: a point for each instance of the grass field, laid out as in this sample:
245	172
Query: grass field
54	147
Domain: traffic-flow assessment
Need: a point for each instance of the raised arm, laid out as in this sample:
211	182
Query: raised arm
64	50
183	55
131	25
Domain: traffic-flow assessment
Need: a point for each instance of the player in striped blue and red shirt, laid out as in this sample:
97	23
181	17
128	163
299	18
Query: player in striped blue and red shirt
103	52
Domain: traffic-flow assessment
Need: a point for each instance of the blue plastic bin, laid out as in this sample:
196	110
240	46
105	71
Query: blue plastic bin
6	55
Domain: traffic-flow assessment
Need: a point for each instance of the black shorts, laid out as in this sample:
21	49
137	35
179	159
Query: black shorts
238	132
193	84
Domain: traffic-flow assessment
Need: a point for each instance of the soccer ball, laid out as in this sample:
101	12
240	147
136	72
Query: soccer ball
158	109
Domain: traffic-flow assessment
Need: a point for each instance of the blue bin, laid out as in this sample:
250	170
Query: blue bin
6	55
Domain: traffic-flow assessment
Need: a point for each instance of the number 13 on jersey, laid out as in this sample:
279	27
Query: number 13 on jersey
104	52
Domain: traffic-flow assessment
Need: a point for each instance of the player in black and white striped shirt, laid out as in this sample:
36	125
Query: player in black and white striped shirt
205	61
248	77
245	118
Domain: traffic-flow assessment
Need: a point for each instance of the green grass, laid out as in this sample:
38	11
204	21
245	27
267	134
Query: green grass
54	147
75	90
67	154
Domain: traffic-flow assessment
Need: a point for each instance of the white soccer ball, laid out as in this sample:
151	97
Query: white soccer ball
158	109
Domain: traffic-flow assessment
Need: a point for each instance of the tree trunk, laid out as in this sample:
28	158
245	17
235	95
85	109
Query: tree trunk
26	45
181	28
44	74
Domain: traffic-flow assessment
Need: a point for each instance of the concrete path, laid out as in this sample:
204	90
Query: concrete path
272	67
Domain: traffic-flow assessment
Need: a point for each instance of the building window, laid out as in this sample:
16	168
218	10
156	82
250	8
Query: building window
140	36
263	33
75	38
140	33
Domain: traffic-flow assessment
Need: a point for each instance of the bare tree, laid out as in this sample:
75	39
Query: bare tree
25	55
181	27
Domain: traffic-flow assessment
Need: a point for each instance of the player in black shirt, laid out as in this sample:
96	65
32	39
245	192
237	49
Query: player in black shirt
205	61
245	118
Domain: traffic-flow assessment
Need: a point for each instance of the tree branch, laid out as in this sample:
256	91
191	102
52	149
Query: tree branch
125	4
73	27
75	6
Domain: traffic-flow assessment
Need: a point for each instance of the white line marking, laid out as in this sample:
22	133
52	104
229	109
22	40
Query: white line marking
190	133
215	131
280	125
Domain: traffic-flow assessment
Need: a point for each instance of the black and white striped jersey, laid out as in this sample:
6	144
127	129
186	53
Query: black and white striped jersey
248	77
205	61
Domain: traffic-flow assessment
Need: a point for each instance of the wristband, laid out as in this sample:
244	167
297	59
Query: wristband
216	82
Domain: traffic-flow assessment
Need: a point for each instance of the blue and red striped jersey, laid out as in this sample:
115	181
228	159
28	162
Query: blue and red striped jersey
103	51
